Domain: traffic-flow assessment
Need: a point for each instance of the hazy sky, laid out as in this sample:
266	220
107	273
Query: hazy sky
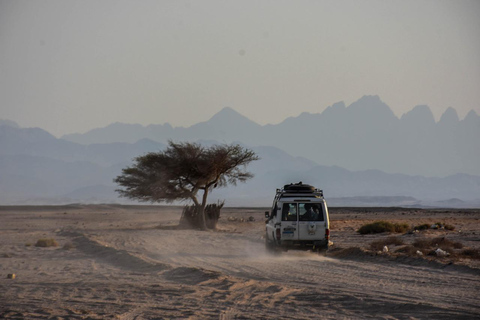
70	66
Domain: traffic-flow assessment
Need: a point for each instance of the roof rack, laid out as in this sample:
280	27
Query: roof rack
315	193
299	190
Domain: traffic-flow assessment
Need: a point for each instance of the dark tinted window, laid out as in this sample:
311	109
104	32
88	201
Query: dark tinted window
289	212
310	212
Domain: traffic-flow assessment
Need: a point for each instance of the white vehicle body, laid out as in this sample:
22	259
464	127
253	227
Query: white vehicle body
298	219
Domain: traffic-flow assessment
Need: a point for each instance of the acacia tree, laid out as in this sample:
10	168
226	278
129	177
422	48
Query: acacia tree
184	169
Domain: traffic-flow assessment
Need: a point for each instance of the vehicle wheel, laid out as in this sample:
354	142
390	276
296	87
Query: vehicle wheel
322	251
271	248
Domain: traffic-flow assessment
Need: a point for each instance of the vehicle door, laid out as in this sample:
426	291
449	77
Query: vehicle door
271	223
289	224
311	221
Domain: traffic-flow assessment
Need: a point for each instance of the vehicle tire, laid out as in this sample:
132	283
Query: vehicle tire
271	248
322	252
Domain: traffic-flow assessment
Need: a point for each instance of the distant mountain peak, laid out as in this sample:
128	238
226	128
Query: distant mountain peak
338	105
370	98
27	134
369	101
420	114
450	116
5	122
336	108
228	109
472	116
371	104
226	112
472	113
228	115
122	124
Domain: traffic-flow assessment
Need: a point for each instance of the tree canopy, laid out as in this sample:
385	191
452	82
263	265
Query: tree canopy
184	169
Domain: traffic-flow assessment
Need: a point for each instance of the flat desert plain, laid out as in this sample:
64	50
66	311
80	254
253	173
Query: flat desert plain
132	262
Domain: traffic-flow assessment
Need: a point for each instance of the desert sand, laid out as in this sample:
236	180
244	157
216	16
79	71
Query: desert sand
132	262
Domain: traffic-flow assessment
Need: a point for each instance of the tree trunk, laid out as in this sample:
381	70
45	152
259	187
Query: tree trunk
203	223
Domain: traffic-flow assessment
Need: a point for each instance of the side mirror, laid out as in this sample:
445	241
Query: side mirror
267	214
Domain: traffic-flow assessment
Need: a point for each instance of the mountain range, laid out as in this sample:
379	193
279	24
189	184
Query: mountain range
365	135
344	150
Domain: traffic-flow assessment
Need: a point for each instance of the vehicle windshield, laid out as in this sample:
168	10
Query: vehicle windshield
302	212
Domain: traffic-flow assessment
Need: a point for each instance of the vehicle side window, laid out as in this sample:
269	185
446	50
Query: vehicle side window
310	212
289	212
273	213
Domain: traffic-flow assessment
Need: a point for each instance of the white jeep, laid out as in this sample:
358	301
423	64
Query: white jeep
298	220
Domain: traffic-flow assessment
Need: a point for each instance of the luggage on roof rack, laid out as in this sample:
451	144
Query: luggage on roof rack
299	187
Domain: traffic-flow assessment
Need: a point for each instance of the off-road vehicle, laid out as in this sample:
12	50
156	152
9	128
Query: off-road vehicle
298	219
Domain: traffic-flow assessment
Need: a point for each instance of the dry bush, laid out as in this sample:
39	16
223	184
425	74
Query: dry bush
422	244
470	253
424	226
457	245
430	245
46	243
449	227
379	244
191	217
410	250
439	242
438	225
383	226
448	250
401	227
68	246
443	242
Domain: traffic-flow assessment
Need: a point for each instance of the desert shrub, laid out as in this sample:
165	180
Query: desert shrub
438	225
68	246
376	227
379	244
410	250
46	243
457	245
383	226
443	242
422	244
401	227
449	227
471	253
424	226
191	217
429	247
439	242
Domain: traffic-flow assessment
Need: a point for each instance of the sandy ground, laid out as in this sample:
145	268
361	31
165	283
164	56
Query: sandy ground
130	262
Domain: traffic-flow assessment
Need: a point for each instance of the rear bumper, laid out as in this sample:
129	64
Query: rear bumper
304	244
